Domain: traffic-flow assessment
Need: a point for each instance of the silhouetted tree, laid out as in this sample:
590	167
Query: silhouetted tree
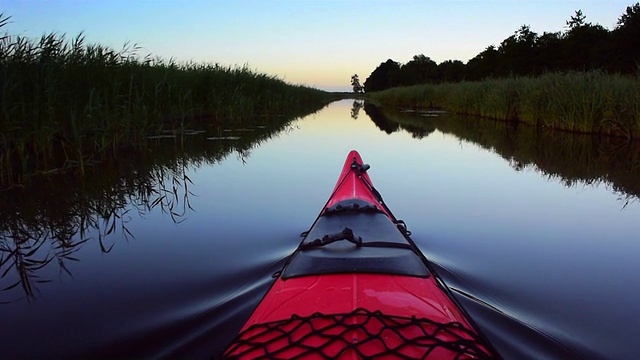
519	52
582	46
626	36
420	70
549	46
451	71
630	18
355	82
383	77
484	64
577	20
586	47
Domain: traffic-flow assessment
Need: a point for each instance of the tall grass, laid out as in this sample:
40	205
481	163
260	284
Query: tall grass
590	102
63	97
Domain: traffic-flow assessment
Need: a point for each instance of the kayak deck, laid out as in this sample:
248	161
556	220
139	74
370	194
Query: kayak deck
382	250
342	323
357	286
342	293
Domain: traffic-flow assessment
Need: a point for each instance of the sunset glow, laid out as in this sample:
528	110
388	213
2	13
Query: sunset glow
317	43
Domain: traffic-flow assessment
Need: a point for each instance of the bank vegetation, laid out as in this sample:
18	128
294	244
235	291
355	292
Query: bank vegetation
586	102
65	103
584	79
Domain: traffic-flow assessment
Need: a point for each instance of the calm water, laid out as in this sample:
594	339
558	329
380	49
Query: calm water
548	251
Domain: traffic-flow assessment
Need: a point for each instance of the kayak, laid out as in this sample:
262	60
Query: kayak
357	286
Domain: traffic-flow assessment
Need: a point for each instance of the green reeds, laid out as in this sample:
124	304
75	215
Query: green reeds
587	102
89	99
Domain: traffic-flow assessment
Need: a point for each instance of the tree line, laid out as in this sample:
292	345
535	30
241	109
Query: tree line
582	46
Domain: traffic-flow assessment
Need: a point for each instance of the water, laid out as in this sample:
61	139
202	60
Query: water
542	255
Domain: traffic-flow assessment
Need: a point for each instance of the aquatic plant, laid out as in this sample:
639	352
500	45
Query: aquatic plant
587	102
63	98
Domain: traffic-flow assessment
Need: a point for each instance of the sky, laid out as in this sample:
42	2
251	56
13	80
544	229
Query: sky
318	43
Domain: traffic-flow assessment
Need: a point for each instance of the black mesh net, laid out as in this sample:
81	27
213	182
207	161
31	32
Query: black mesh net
359	334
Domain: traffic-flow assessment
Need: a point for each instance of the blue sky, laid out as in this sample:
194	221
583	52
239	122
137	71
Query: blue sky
316	43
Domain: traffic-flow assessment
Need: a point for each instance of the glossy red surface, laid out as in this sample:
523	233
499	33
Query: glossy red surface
342	293
339	293
349	186
393	295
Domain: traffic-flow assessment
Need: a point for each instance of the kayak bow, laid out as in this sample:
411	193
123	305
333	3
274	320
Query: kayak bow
357	286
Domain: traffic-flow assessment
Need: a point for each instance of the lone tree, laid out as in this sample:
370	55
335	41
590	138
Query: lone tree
577	20
355	82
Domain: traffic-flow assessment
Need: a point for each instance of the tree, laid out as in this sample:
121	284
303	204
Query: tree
581	46
576	21
420	70
630	18
383	77
550	45
355	82
485	64
627	40
451	71
519	52
586	47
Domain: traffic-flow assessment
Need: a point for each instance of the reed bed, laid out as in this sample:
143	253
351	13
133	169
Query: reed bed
61	97
585	102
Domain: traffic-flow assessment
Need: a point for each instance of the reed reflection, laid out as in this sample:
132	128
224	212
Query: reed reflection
45	222
571	158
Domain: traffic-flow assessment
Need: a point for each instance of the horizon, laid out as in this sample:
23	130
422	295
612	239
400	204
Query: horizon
318	44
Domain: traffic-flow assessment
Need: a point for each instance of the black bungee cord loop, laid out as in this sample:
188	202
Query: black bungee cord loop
361	169
399	223
344	178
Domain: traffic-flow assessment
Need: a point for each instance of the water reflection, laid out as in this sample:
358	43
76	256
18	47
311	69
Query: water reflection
355	108
523	222
43	224
556	262
570	158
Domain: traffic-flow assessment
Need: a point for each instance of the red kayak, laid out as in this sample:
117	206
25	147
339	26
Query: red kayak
358	287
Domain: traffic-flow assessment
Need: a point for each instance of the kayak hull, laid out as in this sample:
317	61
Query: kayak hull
343	293
357	286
